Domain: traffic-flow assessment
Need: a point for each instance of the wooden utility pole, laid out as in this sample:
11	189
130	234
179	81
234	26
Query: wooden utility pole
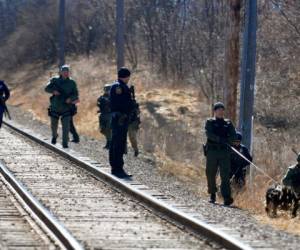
248	73
120	33
61	46
232	58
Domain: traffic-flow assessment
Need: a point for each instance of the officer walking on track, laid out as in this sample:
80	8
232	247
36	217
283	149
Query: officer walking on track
4	96
121	108
105	115
64	96
220	132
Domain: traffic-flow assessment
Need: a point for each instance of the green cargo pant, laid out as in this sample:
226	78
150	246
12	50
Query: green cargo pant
65	122
218	159
105	126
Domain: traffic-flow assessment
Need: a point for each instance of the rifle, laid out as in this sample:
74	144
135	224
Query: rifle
65	96
132	92
6	111
135	114
60	90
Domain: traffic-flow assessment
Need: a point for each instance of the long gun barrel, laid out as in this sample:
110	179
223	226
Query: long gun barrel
6	112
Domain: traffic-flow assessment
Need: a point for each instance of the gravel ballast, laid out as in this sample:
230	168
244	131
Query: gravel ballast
146	172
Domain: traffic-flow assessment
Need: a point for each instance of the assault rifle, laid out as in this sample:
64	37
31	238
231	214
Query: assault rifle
132	91
63	93
6	111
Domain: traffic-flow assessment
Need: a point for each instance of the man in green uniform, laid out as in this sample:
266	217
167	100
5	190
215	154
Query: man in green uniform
292	177
105	115
134	124
64	95
220	133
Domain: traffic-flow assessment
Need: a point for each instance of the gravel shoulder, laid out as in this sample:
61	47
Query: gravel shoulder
146	172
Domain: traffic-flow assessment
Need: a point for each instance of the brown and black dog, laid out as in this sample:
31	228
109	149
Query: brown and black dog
281	198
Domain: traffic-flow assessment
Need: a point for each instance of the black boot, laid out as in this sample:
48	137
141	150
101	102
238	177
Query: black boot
107	145
76	140
136	153
53	141
121	174
212	198
228	201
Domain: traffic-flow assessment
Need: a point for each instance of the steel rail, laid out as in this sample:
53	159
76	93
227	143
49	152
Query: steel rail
61	234
163	209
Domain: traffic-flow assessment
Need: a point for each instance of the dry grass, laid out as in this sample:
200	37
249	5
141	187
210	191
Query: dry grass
172	128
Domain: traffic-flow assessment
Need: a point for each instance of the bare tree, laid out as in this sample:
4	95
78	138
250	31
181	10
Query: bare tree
62	6
120	33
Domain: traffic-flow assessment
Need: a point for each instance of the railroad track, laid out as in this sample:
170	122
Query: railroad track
99	210
16	225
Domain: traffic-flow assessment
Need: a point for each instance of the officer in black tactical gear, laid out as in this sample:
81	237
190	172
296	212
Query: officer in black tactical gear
121	108
4	96
105	115
238	164
220	133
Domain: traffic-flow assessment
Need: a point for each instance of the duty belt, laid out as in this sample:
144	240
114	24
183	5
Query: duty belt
216	146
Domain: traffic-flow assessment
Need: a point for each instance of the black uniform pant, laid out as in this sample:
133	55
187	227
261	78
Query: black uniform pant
1	114
118	143
73	130
238	173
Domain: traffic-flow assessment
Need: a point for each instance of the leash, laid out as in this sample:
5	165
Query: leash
251	163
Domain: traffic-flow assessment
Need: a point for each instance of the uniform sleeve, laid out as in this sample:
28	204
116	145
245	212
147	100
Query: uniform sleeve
50	86
6	93
287	179
75	94
99	102
102	104
209	132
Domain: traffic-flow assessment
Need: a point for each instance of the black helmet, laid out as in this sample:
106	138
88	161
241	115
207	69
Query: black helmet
238	136
219	105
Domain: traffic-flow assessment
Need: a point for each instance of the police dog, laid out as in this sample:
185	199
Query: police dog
281	198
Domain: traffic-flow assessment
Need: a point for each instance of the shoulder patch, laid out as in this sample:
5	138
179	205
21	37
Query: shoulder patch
118	90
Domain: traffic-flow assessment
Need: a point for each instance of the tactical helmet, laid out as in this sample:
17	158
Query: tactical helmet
219	105
238	136
298	157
